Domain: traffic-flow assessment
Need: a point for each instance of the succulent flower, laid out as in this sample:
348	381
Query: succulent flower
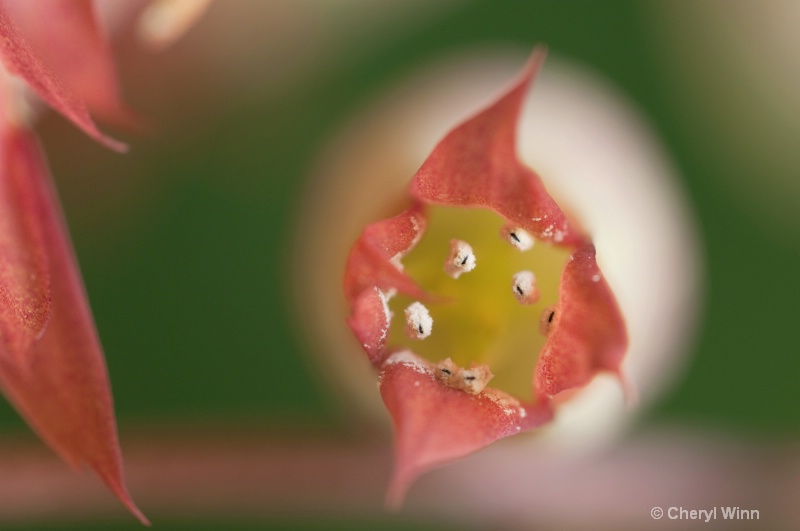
476	205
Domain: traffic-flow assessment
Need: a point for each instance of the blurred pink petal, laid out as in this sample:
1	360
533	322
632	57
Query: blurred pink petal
58	381
197	474
30	60
66	36
24	269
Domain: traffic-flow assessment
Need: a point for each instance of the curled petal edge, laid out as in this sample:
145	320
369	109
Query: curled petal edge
587	334
369	321
374	260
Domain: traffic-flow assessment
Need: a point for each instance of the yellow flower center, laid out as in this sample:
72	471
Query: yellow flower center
479	317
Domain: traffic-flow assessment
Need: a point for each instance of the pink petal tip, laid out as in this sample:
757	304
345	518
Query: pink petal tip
435	424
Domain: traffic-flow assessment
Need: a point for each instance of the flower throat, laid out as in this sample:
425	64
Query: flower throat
492	293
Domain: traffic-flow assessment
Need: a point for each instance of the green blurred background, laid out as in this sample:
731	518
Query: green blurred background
185	242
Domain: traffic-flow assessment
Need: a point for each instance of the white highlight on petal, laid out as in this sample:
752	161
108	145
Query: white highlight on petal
164	21
386	311
506	402
407	358
460	260
419	322
395	260
524	287
21	107
518	237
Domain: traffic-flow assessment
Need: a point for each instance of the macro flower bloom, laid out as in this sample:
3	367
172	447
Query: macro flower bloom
438	392
51	363
213	475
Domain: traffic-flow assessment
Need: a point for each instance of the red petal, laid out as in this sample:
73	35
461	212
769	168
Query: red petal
374	257
435	423
372	267
476	165
587	334
369	321
21	58
24	272
61	387
70	42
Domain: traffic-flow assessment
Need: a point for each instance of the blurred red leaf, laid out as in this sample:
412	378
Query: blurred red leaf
24	268
58	382
68	39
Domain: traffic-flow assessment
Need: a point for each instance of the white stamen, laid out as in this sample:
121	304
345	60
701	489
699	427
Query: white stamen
475	379
472	380
447	372
518	237
524	287
419	322
461	259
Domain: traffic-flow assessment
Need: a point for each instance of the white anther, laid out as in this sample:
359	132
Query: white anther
475	379
419	322
524	287
472	380
447	372
518	237
461	259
